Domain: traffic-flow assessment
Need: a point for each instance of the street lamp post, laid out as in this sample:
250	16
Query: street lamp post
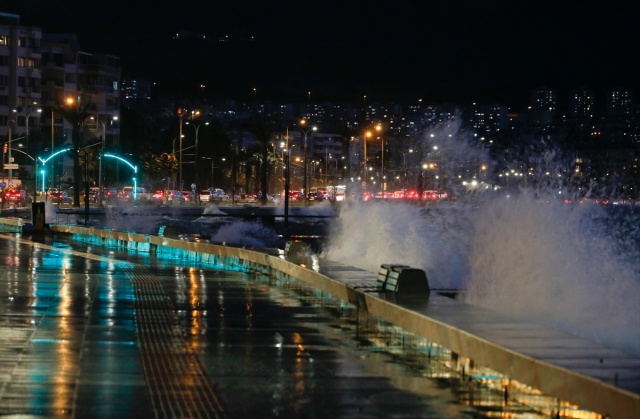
305	133
53	132
35	170
100	182
212	160
287	186
197	128
173	153
180	113
9	122
404	168
364	173
383	184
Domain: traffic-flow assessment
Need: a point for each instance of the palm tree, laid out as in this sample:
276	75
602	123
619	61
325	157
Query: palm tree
161	166
262	130
88	159
75	115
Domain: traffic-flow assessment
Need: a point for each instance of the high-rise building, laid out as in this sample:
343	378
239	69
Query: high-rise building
581	104
90	82
20	82
544	104
619	102
136	90
489	118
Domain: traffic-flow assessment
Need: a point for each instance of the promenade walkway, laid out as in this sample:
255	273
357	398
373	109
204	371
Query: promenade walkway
91	331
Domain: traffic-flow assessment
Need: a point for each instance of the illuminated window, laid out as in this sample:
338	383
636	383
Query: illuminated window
4	40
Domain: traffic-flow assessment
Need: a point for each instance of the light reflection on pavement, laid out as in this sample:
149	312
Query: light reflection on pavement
91	332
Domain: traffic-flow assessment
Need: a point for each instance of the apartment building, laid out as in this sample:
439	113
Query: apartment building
91	82
40	74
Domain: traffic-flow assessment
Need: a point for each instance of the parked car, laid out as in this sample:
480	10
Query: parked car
246	197
412	194
127	193
296	196
110	194
218	194
94	194
205	195
17	197
316	196
173	195
385	195
158	195
57	196
434	195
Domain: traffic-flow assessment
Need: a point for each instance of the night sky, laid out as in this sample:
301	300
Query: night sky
453	51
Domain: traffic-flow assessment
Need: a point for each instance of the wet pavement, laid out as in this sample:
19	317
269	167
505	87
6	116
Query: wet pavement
91	332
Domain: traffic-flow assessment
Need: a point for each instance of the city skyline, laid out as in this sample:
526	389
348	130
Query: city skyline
460	52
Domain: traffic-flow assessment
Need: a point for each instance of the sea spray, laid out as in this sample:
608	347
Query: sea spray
367	235
557	264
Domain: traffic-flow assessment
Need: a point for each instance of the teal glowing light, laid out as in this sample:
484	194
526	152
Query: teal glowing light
135	168
135	171
42	172
44	161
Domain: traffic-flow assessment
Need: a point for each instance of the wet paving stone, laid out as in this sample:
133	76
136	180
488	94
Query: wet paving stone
126	335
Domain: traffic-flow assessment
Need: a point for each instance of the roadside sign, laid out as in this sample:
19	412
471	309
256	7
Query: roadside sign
11	166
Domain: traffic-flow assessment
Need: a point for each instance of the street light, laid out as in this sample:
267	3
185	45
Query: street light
9	122
287	187
404	168
305	133
104	136
364	172
384	185
27	126
197	128
213	166
180	114
35	175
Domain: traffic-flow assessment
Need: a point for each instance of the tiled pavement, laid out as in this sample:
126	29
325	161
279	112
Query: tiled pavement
96	333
